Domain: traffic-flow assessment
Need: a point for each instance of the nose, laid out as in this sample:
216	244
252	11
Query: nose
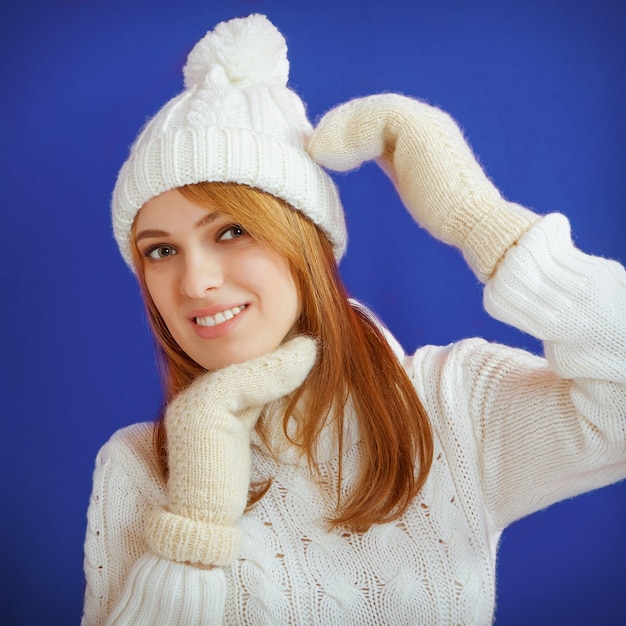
202	272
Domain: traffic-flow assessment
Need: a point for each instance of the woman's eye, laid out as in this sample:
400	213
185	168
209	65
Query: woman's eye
160	252
232	232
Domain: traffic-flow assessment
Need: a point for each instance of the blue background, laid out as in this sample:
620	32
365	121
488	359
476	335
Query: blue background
539	88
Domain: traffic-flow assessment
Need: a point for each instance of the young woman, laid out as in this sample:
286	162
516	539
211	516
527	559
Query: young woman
304	469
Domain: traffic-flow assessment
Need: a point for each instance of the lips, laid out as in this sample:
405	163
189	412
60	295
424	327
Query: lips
219	318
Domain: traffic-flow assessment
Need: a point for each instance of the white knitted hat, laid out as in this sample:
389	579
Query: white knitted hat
235	121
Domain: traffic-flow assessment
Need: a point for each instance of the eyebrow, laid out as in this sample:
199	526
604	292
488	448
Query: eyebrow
152	232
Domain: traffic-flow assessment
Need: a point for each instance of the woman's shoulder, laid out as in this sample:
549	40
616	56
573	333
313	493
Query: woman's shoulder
464	352
136	437
130	450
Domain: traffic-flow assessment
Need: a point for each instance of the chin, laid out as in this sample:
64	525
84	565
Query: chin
232	357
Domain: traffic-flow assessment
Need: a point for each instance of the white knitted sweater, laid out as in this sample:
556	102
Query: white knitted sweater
513	434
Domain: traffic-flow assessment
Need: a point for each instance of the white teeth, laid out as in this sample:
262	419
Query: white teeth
219	318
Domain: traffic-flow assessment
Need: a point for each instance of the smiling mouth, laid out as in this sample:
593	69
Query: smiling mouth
221	317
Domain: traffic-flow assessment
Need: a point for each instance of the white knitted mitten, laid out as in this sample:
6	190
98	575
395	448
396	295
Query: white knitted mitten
423	151
208	429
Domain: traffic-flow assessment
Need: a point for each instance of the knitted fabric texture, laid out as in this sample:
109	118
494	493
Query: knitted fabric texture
236	121
208	432
441	183
513	433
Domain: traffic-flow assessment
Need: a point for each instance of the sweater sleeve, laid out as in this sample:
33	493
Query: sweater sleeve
126	583
551	428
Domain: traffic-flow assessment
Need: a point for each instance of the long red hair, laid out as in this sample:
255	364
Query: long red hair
355	362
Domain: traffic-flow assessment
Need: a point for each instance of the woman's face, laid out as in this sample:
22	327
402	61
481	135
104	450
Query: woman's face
224	297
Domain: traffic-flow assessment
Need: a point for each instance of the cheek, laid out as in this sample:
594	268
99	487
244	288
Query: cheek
295	296
274	280
281	281
290	298
160	291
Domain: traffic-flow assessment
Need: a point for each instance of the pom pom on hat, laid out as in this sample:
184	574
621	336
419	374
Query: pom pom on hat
247	48
236	121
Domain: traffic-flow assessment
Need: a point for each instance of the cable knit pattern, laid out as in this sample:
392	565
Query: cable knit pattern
513	433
